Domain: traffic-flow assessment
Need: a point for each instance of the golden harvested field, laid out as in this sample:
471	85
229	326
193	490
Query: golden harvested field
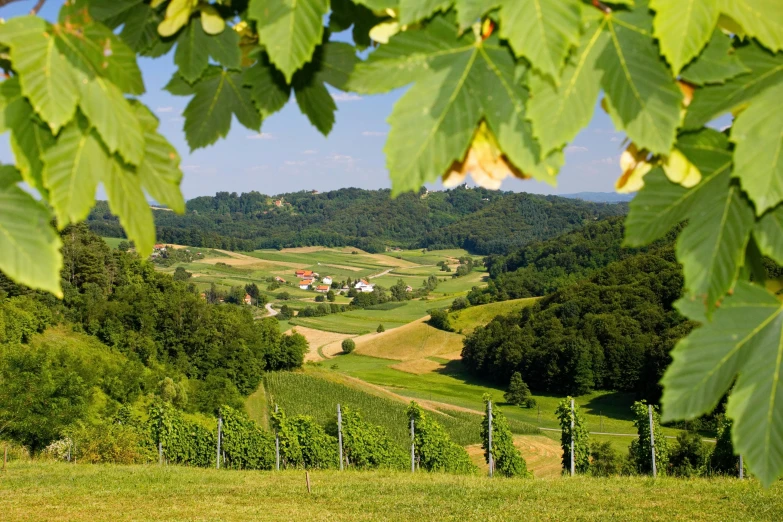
413	341
318	339
542	455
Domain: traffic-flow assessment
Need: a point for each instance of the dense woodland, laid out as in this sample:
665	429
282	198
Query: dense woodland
124	332
479	220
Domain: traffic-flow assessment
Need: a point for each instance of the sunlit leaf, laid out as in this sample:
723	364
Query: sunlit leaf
758	158
127	202
762	19
159	171
683	27
415	10
716	64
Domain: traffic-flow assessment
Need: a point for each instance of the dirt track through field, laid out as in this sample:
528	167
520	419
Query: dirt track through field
542	455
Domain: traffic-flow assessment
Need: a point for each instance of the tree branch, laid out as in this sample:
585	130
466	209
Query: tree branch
602	6
37	7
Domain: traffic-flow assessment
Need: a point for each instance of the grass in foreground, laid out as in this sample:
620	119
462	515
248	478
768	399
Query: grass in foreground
59	491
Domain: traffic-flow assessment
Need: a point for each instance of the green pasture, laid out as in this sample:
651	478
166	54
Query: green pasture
468	319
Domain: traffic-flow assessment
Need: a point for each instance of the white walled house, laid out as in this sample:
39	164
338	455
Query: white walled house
364	286
304	285
326	280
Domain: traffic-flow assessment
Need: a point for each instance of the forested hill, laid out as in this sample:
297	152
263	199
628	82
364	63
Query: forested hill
479	220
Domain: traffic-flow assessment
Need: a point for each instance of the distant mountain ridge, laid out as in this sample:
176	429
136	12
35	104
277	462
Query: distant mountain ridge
600	197
479	220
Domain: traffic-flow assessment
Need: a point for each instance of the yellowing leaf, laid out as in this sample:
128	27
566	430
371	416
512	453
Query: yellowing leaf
383	31
177	15
679	170
635	165
211	20
485	162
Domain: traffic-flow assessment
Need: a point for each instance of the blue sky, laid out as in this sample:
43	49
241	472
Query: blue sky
290	155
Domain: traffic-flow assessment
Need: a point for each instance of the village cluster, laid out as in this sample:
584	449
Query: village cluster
309	280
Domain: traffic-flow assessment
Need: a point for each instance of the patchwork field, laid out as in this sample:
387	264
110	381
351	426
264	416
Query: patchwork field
467	320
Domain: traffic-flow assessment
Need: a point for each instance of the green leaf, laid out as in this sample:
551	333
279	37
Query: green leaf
762	19
29	247
758	158
102	101
643	98
29	136
415	10
711	249
290	30
127	202
336	63
433	124
73	167
140	28
107	10
661	204
559	113
757	398
766	70
224	49
268	88
470	11
9	176
44	74
769	234
218	95
316	103
745	337
683	27
192	54
716	64
110	57
541	31
159	171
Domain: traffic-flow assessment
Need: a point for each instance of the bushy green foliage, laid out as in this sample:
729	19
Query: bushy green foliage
110	442
605	461
303	442
518	392
245	445
689	455
380	329
182	441
439	318
723	460
348	345
460	303
367	446
434	449
580	435
214	392
180	274
640	452
508	461
613	331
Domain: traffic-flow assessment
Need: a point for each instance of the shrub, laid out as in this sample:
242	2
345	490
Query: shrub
639	452
580	435
434	450
320	299
459	303
518	392
440	320
380	329
108	443
689	455
508	460
348	345
723	460
605	460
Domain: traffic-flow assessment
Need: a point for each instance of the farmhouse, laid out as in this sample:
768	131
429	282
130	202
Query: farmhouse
322	288
280	279
302	273
409	288
304	285
248	299
364	286
327	280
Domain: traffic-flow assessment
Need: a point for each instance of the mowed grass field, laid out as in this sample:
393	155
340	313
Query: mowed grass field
83	492
468	319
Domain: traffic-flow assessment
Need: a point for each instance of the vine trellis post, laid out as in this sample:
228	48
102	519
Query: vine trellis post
572	437
277	446
489	445
652	439
413	446
219	436
340	433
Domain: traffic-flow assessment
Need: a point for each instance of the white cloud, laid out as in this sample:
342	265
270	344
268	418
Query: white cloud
164	109
176	119
199	169
605	161
309	151
345	97
260	136
340	158
615	139
294	163
257	168
571	149
373	133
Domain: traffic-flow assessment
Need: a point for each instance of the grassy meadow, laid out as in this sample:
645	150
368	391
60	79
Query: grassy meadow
33	491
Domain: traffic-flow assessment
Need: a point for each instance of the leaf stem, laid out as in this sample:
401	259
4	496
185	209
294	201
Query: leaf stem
602	6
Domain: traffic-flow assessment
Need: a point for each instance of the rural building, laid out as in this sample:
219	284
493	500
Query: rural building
327	280
364	286
279	279
322	288
278	203
304	285
159	248
248	299
409	288
302	273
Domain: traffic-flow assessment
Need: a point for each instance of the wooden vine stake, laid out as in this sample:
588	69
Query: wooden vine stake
340	434
413	447
277	447
219	436
489	446
5	457
307	481
652	439
572	437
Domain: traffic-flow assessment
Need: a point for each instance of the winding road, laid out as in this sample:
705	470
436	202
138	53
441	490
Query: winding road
272	311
